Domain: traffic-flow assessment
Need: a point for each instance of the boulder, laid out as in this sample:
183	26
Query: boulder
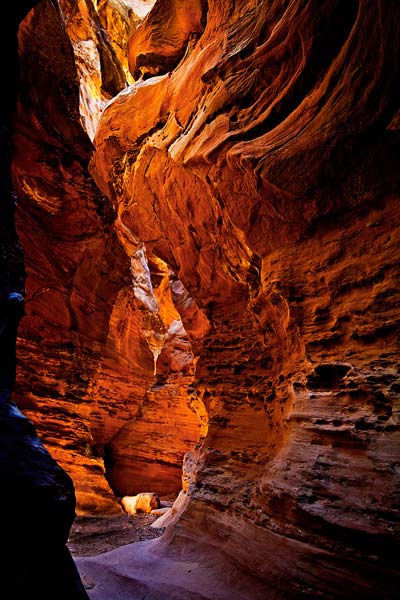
144	502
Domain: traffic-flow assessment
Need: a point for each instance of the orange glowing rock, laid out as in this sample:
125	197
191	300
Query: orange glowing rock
103	357
231	294
157	47
144	502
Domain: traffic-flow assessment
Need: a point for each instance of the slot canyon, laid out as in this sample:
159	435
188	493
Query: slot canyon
199	295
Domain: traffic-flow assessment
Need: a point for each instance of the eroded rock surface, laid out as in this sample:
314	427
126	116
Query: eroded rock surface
119	19
104	362
262	169
37	504
246	298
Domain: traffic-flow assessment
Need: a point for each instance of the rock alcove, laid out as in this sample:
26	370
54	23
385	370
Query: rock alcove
208	211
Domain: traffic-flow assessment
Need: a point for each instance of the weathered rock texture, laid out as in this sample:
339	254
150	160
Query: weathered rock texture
37	504
64	227
260	164
171	28
105	365
246	298
119	18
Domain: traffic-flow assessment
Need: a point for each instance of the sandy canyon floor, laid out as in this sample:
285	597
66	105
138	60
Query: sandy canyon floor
90	536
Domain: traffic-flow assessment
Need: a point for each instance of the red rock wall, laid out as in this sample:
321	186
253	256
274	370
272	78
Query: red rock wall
37	504
119	18
95	321
247	296
262	169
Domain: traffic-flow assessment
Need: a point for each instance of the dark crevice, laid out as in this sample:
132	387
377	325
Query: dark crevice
328	376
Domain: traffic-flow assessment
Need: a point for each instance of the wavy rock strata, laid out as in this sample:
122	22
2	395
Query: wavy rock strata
37	503
259	163
102	344
246	295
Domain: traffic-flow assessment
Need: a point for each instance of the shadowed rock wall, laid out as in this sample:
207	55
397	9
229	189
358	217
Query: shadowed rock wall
37	503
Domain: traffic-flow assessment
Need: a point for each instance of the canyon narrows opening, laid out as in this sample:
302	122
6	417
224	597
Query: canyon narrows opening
207	202
106	367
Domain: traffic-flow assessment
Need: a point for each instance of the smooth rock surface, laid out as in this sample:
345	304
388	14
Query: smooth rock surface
38	507
144	502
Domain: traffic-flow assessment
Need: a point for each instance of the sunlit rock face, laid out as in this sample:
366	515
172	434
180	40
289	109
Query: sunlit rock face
98	68
170	30
145	416
103	356
259	163
98	33
64	225
119	18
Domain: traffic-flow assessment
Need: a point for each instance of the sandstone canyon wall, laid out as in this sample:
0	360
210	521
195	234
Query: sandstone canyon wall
37	503
104	363
257	155
221	267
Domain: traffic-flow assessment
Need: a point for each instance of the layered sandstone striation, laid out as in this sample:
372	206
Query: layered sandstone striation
119	18
37	503
217	277
171	28
102	352
257	159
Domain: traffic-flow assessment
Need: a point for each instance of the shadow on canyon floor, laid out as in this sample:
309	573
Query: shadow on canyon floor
90	536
